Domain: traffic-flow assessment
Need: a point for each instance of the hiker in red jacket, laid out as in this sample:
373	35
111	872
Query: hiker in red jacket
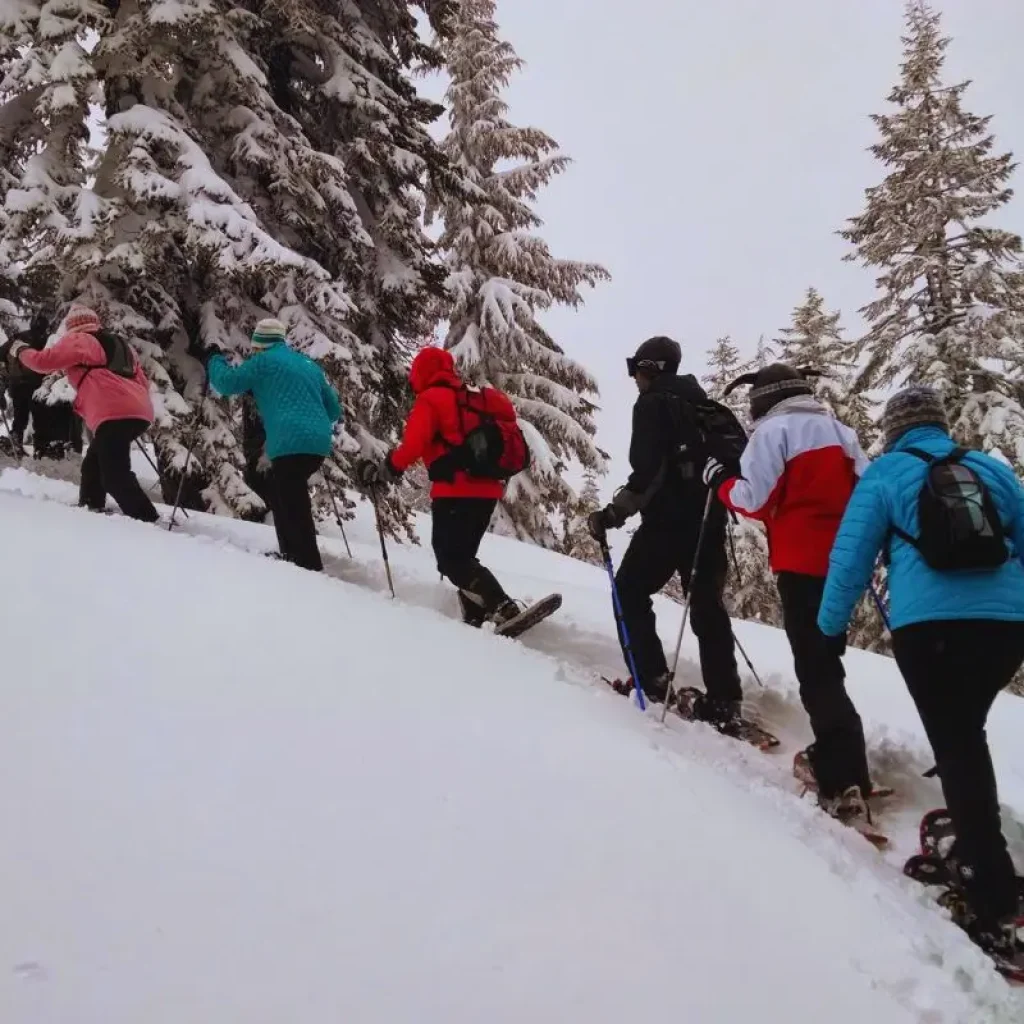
461	505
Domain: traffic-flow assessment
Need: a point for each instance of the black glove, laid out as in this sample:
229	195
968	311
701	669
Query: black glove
200	352
374	473
836	645
611	517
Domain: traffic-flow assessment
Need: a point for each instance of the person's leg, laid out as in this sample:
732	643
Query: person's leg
648	564
293	510
91	492
21	399
838	756
458	526
711	623
114	444
954	670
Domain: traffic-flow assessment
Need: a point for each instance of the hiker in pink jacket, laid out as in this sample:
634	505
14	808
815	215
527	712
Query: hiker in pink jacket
113	399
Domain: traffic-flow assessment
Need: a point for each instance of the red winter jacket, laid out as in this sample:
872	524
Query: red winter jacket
798	473
436	418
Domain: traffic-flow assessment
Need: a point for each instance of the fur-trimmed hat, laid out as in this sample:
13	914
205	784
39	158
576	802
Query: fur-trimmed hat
916	406
771	385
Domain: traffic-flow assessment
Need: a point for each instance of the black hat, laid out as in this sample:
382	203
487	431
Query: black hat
773	384
656	355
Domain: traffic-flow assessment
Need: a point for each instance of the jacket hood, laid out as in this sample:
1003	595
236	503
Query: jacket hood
917	436
798	403
683	386
432	366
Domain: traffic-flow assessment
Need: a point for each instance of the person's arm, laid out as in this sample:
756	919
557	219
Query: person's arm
762	467
420	429
862	534
74	349
332	404
229	380
646	458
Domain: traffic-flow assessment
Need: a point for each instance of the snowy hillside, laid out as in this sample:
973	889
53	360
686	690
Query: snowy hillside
237	792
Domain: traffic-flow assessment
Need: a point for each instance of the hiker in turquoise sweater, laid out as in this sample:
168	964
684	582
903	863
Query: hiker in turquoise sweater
299	409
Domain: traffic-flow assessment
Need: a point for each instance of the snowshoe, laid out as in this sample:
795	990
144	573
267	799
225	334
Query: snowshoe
693	705
804	774
851	809
511	621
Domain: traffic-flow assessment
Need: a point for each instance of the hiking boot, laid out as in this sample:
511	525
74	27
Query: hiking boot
505	613
473	613
723	715
847	806
658	689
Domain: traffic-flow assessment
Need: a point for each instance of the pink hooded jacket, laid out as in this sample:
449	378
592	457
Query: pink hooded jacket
102	395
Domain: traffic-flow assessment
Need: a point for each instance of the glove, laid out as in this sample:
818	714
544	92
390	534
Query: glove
836	645
200	352
715	474
373	473
611	517
16	347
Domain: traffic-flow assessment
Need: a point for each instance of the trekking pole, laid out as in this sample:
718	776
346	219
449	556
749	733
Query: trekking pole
19	451
152	464
689	598
197	422
880	605
746	658
383	544
337	512
620	622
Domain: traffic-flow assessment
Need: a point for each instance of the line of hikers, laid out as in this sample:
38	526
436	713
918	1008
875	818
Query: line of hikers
948	523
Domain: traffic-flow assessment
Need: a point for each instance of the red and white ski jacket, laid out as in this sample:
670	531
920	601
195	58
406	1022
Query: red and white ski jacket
798	472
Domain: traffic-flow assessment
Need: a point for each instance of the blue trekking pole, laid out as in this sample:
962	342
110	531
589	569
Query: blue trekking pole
621	623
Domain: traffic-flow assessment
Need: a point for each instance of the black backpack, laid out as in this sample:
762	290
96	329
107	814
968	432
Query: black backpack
959	523
720	431
119	356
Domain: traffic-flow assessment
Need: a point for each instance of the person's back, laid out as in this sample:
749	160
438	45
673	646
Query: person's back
919	593
297	405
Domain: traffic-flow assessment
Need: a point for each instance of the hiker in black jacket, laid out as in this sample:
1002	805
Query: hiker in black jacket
667	453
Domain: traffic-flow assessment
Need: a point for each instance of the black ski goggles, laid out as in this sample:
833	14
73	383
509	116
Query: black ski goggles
634	365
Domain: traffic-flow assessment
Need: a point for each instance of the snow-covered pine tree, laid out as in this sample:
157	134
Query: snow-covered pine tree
502	276
576	539
951	306
211	204
814	339
723	361
751	592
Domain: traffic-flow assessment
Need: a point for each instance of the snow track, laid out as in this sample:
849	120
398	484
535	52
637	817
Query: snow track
283	799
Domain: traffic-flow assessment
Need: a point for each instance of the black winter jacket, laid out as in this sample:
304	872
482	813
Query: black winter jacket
667	455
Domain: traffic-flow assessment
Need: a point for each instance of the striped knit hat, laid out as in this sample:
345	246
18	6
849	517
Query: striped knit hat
916	406
269	332
82	318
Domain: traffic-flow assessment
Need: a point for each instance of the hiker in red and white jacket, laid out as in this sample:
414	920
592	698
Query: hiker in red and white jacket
797	475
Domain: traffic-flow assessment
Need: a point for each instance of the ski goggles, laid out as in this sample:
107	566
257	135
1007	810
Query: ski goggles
634	365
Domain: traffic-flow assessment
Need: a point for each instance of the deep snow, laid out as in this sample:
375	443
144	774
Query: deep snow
237	792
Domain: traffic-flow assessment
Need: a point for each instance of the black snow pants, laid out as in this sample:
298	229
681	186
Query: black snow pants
107	469
293	510
954	670
838	756
458	527
656	552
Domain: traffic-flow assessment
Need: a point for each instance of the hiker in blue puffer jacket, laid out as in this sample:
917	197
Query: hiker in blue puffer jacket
299	410
958	638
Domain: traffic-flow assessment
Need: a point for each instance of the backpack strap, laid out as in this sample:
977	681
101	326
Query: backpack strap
895	531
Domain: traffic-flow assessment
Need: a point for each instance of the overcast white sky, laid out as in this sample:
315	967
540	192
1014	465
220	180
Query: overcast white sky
718	146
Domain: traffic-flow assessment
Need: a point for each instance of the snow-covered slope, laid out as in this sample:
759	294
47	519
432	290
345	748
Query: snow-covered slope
237	792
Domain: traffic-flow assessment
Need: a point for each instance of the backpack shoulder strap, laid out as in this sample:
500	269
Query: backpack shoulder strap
920	454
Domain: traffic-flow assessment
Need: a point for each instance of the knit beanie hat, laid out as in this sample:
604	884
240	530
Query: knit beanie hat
268	332
82	318
916	406
772	385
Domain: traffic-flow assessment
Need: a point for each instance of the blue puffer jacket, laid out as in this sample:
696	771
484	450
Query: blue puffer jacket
297	405
887	496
